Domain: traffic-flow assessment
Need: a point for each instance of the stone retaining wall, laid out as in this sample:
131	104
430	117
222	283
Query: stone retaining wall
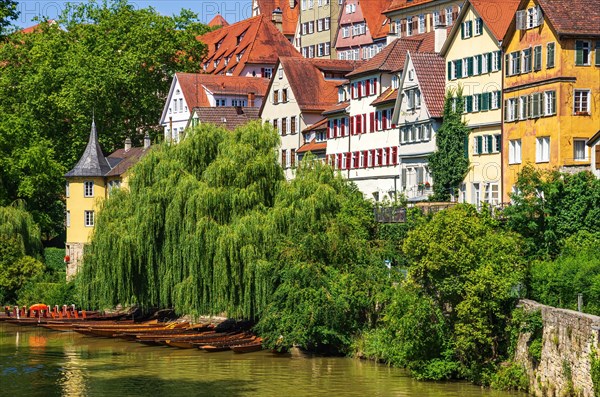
568	340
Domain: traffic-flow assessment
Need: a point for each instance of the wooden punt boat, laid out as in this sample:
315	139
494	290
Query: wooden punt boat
221	346
247	348
213	349
190	343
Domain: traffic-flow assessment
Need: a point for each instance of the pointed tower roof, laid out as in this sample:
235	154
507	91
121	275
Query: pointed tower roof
218	20
92	162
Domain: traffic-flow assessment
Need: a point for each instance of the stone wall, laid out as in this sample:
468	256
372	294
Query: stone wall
568	339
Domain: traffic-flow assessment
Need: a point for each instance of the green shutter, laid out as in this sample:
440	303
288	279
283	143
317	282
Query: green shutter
470	66
466	147
499	59
597	53
550	56
579	53
507	64
479	62
470	25
462	31
490	143
449	70
479	144
499	143
537	58
469	103
458	67
484	102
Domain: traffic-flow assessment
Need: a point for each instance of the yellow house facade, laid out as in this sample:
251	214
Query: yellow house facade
87	184
474	65
317	28
551	88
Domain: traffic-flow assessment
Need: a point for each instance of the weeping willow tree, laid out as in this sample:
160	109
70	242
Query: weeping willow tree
17	224
190	231
210	226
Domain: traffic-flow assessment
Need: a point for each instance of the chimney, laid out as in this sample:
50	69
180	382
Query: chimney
251	98
127	144
147	141
440	37
277	19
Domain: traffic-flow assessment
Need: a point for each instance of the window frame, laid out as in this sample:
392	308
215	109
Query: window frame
86	184
88	218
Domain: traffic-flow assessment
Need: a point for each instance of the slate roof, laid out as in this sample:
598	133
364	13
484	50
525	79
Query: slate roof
573	17
192	85
92	162
289	17
229	117
125	160
260	42
496	14
218	20
430	69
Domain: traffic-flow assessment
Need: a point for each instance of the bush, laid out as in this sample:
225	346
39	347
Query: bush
511	377
54	259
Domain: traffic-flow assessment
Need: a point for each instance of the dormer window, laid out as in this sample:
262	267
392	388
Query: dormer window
341	94
395	82
240	38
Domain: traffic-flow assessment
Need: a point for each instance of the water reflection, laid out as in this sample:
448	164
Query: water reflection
38	362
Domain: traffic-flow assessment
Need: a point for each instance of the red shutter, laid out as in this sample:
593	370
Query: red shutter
348	160
368	88
372	120
384	122
391	117
375	85
329	129
262	72
364	117
388	152
338	159
342	127
351	125
395	155
359	126
366	158
335	128
359	89
355	160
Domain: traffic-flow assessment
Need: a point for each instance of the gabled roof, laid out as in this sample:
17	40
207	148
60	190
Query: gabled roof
92	162
319	125
229	117
390	59
311	91
38	27
496	14
594	139
259	43
337	108
218	20
313	146
573	17
335	65
387	96
290	15
400	4
376	21
430	69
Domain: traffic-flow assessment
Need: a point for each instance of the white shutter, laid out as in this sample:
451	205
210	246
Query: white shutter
521	19
298	124
539	16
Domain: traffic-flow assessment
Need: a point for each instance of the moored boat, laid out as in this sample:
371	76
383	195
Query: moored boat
247	348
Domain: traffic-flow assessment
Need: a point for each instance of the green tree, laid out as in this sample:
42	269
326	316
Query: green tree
110	59
449	164
8	12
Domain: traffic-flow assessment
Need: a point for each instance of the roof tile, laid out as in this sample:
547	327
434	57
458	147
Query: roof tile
573	17
229	117
430	69
496	14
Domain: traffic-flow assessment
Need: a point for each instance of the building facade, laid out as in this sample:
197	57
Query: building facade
317	28
551	87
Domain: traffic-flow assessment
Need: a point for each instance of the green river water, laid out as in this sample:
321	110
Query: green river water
38	362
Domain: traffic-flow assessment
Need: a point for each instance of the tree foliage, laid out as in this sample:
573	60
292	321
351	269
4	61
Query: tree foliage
551	206
449	164
110	59
8	13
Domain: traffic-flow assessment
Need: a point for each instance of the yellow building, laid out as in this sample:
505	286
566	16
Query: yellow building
474	65
89	182
551	86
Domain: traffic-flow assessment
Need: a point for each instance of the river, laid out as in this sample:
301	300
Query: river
38	362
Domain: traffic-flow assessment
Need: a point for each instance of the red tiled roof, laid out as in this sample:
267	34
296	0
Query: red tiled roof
319	125
338	107
193	84
289	17
389	95
573	17
400	4
496	14
127	159
390	59
431	73
335	65
311	91
376	21
218	20
260	43
37	27
229	117
312	146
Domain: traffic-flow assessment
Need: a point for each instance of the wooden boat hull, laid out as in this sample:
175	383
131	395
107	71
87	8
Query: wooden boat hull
250	347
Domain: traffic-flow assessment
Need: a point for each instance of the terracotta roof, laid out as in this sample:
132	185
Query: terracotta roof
126	160
400	4
312	146
376	21
259	43
311	91
229	117
431	73
389	95
289	17
37	27
573	17
390	59
496	14
335	65
592	141
192	85
337	108
319	125
92	162
218	20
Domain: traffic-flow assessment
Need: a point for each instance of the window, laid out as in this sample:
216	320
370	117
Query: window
523	107
514	151
319	25
466	29
583	53
597	62
542	149
293	127
537	58
579	150
284	95
581	102
409	26
478	145
549	103
478	27
275	97
476	103
221	102
515	64
550	55
268	73
284	125
88	218
498	143
495	100
510	109
536	105
311	27
88	189
67	191
422	23
492	193
526	60
113	185
496	61
327	49
327	23
345	31
175	105
449	16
